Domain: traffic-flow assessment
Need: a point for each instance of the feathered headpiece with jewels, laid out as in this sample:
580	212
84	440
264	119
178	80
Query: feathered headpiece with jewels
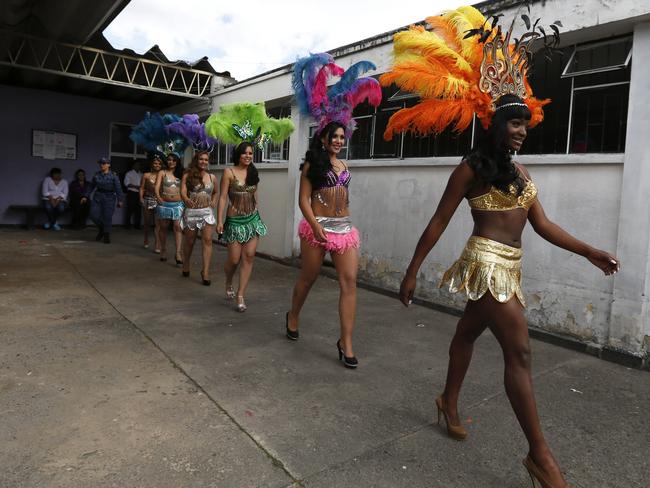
193	131
336	103
239	122
153	134
459	68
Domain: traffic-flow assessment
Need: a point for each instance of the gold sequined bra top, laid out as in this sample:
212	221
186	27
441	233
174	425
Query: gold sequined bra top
500	201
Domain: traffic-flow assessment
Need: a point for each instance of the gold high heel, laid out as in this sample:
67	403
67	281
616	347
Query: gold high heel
456	432
537	475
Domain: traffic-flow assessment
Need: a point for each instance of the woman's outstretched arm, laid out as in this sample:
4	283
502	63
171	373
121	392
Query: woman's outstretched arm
557	236
460	181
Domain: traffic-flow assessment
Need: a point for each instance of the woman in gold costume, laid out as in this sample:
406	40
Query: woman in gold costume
500	193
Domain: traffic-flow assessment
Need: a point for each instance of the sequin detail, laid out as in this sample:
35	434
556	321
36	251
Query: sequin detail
334	193
486	265
170	186
242	197
499	201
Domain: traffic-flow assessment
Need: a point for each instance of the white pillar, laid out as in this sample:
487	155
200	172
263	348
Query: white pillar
297	148
629	325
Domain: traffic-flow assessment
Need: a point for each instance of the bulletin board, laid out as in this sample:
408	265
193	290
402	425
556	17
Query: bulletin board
48	144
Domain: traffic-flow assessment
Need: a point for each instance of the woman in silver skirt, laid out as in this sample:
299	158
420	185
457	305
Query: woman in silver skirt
199	193
149	202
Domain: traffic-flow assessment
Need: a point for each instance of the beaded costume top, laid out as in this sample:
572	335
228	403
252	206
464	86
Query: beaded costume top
150	185
334	191
242	197
201	194
498	200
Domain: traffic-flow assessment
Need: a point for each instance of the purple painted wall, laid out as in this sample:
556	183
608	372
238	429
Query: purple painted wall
22	110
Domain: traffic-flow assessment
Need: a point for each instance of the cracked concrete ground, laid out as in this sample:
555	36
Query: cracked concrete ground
117	372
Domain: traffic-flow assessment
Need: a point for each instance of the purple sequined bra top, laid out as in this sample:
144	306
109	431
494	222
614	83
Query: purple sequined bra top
334	192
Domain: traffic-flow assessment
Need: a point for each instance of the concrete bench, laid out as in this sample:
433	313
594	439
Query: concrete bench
30	213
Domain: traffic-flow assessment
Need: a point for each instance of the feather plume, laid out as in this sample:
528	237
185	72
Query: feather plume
443	67
150	131
193	131
239	122
305	71
336	103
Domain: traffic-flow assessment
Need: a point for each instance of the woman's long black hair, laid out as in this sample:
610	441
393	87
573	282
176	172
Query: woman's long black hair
252	176
318	157
491	159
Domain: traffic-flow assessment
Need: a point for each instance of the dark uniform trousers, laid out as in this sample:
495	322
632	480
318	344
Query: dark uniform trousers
102	209
108	191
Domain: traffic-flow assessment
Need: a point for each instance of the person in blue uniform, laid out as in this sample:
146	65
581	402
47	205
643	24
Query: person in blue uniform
107	192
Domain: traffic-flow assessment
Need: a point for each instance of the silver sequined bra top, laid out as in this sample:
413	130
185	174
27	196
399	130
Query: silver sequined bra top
170	186
334	193
201	195
242	197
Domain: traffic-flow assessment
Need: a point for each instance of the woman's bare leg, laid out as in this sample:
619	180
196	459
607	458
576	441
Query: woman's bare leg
206	248
470	326
232	260
178	239
146	214
347	265
508	324
246	266
164	226
189	237
311	259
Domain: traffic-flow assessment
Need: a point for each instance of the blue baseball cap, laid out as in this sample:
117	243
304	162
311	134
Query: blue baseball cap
104	161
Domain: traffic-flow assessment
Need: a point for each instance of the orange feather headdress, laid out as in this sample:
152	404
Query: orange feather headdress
459	68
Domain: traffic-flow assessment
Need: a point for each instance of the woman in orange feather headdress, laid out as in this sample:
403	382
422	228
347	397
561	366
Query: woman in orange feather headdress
463	67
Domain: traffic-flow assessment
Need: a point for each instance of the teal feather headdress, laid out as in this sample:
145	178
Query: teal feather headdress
239	122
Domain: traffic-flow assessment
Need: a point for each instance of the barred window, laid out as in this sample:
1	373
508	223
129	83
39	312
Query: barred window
589	88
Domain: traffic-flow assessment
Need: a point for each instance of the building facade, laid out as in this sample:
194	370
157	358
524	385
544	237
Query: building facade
588	158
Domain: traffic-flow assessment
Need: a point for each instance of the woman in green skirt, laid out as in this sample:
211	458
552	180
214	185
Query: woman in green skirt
243	226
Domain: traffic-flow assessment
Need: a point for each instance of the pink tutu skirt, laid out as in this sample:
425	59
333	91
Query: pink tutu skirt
341	235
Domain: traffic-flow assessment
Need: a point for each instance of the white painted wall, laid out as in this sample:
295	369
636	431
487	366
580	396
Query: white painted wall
600	198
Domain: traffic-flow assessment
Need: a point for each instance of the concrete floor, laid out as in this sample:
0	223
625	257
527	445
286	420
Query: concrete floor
117	372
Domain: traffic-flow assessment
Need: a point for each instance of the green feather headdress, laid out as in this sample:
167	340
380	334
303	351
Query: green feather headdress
239	122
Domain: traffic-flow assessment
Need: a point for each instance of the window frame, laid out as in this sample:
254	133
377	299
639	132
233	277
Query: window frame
591	45
135	155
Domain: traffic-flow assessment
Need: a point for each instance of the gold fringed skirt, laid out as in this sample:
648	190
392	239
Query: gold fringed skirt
486	265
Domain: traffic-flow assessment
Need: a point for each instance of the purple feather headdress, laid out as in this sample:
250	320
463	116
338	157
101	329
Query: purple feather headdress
336	103
193	131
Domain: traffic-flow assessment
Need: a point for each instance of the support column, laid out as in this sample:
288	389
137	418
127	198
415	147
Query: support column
630	317
297	147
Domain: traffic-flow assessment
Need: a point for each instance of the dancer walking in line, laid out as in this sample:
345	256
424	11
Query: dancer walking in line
238	217
324	182
500	193
149	202
199	191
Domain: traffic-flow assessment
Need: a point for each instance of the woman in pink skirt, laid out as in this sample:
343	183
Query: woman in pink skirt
326	227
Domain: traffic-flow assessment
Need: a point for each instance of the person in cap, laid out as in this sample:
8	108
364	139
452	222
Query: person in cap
107	192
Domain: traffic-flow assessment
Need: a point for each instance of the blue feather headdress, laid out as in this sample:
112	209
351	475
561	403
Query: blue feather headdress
336	103
152	134
193	131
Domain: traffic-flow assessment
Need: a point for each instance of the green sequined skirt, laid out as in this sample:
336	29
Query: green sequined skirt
243	229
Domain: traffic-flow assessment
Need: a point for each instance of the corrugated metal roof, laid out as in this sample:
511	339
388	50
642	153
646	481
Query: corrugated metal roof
81	22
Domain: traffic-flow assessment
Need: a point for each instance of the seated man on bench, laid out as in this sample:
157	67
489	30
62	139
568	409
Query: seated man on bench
55	198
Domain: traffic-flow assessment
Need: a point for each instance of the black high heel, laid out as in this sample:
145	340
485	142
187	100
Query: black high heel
348	362
163	258
205	282
291	334
186	274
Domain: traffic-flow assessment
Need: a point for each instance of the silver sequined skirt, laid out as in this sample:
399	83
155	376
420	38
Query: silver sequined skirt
150	203
336	225
197	218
